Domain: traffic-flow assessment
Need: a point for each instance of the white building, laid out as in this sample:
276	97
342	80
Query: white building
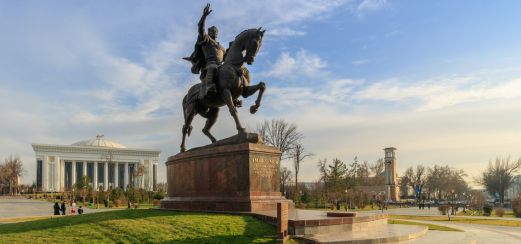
106	163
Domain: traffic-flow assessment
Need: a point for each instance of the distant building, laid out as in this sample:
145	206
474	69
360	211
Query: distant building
515	189
106	163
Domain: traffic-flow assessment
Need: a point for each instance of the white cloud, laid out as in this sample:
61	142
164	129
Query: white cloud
303	63
441	92
360	62
285	31
366	6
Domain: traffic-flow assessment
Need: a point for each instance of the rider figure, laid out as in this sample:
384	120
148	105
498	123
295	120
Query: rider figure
208	55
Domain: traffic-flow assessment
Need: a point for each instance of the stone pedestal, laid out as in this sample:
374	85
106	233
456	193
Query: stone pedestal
241	177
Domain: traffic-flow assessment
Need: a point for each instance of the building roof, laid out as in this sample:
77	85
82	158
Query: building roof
100	141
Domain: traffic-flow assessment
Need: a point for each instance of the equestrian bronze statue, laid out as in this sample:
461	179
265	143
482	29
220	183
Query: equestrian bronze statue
222	83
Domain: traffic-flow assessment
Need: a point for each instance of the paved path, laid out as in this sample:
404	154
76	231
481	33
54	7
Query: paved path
20	207
411	211
474	232
433	212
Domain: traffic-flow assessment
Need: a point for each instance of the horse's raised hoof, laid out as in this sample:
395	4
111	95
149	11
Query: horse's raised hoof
241	130
253	109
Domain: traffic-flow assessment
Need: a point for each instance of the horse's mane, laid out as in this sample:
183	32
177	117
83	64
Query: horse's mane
243	32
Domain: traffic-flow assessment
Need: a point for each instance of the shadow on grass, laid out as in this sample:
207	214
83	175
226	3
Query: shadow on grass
253	229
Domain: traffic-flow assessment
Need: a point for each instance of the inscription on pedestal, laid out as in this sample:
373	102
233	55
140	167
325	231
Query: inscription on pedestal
264	167
264	172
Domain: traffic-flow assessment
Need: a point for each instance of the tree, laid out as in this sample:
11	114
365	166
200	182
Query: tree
298	153
82	187
442	180
280	134
416	179
12	170
499	176
378	167
322	168
285	177
139	174
336	173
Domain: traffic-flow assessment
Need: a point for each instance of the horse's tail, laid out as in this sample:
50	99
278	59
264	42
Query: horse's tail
189	106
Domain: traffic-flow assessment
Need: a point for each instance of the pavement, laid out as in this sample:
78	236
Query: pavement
473	233
433	212
22	207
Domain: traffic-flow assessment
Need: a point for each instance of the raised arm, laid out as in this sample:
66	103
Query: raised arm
206	12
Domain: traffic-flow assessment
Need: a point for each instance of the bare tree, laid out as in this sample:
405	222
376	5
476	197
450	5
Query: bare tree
416	179
322	168
499	175
279	134
298	153
378	167
139	174
443	180
285	177
12	170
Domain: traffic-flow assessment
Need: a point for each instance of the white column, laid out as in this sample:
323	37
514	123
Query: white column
73	172
56	174
95	185
106	176
84	168
61	165
150	168
126	176
142	177
44	173
116	177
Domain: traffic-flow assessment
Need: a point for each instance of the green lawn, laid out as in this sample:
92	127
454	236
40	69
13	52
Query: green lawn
430	226
138	226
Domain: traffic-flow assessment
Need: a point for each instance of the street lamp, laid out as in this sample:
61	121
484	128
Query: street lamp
452	204
346	199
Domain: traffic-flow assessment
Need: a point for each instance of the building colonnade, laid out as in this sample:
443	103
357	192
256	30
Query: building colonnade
62	174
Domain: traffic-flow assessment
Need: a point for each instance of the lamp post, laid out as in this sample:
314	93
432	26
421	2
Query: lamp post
452	203
347	207
464	201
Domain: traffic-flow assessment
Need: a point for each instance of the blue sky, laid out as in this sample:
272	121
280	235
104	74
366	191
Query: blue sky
439	80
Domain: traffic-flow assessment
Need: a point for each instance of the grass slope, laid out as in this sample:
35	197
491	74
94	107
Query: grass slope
141	226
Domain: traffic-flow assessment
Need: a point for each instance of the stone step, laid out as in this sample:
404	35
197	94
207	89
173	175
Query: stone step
381	234
445	237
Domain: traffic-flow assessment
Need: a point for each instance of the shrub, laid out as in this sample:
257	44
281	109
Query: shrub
117	202
156	202
516	206
487	210
443	208
500	212
159	195
117	194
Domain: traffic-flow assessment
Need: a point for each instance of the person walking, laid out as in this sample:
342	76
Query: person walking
73	207
56	208
63	209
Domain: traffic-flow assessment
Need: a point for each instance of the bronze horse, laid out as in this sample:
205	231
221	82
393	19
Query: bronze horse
232	81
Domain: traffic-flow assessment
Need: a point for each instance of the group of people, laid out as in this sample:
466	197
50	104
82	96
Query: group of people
422	205
63	209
